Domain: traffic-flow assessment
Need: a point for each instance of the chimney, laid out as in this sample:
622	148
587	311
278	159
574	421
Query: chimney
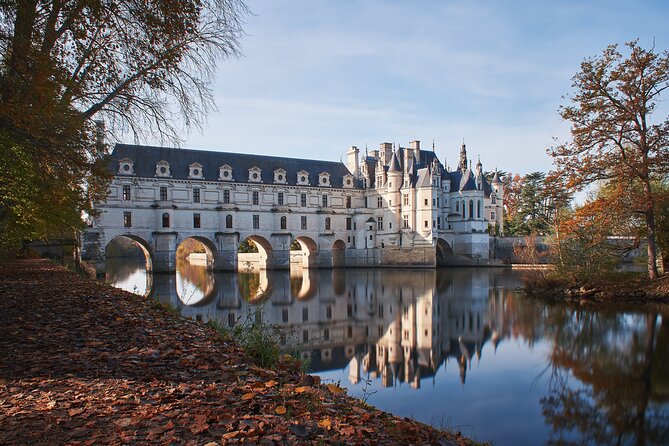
352	161
386	152
415	147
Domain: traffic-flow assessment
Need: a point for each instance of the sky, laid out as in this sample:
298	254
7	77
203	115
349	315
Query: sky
319	76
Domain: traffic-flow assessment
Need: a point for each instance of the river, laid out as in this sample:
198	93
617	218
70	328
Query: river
458	348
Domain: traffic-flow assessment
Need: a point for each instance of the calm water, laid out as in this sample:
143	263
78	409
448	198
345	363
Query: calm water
455	348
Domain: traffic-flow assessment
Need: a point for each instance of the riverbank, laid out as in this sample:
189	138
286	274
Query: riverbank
619	288
84	363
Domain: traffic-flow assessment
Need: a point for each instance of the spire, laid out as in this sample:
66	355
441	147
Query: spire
394	164
495	178
463	157
432	145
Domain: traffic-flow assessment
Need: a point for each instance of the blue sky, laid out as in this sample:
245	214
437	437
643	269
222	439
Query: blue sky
319	76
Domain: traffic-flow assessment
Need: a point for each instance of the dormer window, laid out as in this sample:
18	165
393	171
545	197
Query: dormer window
225	173
195	171
255	174
347	181
280	176
303	178
162	168
324	179
125	167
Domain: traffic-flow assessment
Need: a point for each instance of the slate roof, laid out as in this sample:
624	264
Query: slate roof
145	159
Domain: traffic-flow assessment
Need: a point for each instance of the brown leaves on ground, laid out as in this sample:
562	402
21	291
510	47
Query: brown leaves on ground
82	363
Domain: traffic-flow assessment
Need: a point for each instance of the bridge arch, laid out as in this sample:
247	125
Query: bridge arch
128	268
303	283
261	255
339	254
444	252
309	250
210	251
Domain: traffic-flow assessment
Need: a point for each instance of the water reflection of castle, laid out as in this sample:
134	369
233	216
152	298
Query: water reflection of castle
399	326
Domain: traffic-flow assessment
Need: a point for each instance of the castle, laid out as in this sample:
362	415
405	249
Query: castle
396	206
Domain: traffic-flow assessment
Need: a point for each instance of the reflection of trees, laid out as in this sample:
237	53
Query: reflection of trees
119	269
200	278
251	288
618	398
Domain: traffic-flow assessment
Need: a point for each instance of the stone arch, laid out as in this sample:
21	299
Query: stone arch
339	254
263	259
444	252
210	251
146	250
309	249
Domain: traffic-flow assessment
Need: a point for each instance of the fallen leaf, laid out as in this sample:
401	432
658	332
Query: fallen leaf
248	396
335	388
271	383
280	410
73	412
325	423
301	389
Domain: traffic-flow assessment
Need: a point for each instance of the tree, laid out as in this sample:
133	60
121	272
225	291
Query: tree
532	202
613	134
138	65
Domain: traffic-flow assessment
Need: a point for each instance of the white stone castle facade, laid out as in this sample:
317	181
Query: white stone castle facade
392	207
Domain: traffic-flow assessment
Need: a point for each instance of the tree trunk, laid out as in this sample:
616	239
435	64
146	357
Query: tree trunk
652	245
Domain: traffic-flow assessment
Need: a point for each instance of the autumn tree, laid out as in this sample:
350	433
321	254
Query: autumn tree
141	66
613	133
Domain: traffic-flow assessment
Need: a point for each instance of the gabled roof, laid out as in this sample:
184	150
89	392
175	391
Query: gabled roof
144	160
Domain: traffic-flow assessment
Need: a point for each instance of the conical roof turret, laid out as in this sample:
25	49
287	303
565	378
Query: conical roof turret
394	164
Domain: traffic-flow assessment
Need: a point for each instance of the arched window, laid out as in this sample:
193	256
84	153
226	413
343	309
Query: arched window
471	208
166	220
228	221
457	206
283	222
327	223
478	209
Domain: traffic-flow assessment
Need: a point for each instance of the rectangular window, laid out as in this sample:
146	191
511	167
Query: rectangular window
328	311
127	219
196	195
255	197
163	193
492	215
406	200
365	201
256	222
348	201
405	220
434	202
379	202
303	221
348	223
303	200
438	222
226	196
325	201
379	223
426	202
305	314
196	220
126	192
284	315
280	199
427	224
